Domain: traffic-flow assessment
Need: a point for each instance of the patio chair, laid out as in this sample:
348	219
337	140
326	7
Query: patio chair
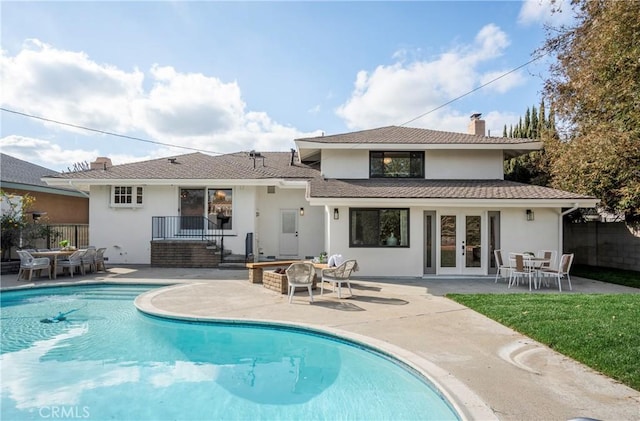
72	262
30	263
300	275
89	259
339	275
563	270
100	259
518	269
500	266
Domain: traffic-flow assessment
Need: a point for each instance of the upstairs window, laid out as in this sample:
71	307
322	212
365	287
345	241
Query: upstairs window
387	164
126	196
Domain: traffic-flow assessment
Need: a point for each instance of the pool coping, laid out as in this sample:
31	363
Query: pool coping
466	403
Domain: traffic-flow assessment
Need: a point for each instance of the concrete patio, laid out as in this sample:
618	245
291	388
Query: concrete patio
490	371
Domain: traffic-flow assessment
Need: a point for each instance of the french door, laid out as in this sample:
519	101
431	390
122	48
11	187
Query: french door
460	243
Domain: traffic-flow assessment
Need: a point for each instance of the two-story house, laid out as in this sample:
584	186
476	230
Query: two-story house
402	201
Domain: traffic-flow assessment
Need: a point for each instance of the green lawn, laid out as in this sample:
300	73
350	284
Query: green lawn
600	330
629	278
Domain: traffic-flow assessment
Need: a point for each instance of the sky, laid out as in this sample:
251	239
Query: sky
141	80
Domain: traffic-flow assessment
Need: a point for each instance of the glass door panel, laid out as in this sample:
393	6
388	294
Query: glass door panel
192	209
448	241
473	244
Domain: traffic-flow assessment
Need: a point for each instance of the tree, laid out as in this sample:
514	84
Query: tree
16	227
531	168
594	91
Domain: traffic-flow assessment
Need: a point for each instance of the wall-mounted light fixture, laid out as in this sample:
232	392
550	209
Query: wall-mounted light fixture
530	215
336	213
301	211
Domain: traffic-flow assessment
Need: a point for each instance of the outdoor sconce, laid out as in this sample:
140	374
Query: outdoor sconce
336	213
301	211
530	215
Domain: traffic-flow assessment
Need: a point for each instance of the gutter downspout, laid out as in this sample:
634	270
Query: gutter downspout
561	228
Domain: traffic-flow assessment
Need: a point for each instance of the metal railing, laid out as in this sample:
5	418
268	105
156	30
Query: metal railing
189	227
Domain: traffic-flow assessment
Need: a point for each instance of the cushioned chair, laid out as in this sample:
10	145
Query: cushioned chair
89	259
339	275
100	259
72	262
30	263
300	275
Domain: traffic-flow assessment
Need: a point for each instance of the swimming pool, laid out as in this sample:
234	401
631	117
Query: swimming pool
110	361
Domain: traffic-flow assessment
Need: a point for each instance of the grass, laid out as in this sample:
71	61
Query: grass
598	330
629	278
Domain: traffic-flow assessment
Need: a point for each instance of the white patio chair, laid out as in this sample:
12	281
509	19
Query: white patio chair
100	259
30	263
300	275
519	269
339	275
563	270
500	266
89	259
72	262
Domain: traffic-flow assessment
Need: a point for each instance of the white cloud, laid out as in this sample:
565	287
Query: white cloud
548	12
186	109
392	94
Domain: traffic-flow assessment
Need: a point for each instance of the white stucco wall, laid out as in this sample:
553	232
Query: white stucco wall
516	235
126	232
439	164
310	226
345	163
464	164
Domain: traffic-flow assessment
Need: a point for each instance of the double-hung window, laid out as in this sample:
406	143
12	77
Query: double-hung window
399	164
126	196
373	227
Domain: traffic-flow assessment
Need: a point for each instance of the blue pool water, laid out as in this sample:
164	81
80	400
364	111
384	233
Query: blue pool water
109	361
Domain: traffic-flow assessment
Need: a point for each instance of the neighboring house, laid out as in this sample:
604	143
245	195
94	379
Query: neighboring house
402	201
60	205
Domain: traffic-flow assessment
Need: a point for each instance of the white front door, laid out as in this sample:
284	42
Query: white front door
288	233
460	243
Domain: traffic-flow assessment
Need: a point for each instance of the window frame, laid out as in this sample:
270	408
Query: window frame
380	234
416	161
136	194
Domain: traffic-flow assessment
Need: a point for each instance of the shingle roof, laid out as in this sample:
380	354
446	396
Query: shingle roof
411	135
434	189
200	166
14	170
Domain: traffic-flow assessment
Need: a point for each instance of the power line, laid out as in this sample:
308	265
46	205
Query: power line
107	132
473	90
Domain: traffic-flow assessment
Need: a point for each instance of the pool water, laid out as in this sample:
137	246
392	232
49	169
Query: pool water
110	361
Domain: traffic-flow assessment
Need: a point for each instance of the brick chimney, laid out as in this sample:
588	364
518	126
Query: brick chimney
476	125
101	163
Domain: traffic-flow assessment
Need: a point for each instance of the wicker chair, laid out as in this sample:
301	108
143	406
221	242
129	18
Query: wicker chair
339	275
300	275
30	263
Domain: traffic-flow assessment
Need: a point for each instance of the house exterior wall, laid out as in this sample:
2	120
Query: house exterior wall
439	164
345	163
516	235
464	164
61	209
126	232
310	226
